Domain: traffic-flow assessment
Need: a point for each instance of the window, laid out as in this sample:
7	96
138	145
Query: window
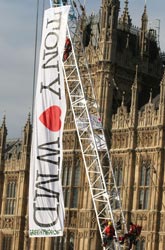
63	243
144	185
70	182
66	182
71	242
118	174
140	245
66	193
59	243
10	197
7	242
76	184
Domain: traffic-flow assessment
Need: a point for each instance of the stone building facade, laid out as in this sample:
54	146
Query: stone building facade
133	116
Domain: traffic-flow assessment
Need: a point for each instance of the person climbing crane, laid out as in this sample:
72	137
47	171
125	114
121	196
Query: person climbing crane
67	49
109	233
132	236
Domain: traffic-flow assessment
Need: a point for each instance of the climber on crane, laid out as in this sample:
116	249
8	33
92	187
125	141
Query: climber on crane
109	232
67	49
133	233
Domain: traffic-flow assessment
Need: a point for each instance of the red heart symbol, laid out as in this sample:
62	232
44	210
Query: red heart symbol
51	118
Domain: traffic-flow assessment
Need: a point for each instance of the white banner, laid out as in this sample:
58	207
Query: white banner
46	206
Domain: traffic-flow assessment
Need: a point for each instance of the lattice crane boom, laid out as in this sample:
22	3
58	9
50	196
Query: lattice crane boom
90	131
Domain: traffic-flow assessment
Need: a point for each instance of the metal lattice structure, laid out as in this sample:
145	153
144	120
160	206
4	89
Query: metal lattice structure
89	127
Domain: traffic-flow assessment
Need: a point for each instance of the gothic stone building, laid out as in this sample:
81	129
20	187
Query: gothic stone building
134	121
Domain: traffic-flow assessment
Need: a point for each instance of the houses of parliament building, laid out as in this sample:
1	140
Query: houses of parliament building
127	71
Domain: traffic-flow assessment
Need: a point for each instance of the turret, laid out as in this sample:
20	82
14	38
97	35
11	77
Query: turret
109	22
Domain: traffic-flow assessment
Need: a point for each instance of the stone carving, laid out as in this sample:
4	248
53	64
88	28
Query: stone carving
8	222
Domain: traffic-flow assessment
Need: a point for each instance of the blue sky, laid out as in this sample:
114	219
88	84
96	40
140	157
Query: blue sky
17	40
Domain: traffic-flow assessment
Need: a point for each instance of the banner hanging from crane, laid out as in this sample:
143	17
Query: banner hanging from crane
46	206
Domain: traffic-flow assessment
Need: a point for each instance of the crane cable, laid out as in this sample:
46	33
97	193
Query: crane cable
35	57
36	50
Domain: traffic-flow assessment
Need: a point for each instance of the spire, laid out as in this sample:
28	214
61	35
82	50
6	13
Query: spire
162	101
144	19
123	97
3	128
144	27
134	98
125	19
28	123
4	121
28	120
3	135
27	131
162	89
150	99
136	77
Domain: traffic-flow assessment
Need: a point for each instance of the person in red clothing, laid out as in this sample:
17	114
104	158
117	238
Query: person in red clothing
109	232
67	49
134	232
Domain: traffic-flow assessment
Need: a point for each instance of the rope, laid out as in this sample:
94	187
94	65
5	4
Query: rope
35	51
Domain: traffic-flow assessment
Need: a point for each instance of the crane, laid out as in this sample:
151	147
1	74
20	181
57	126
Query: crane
89	127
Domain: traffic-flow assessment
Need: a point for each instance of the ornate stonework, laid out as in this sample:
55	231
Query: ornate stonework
135	136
